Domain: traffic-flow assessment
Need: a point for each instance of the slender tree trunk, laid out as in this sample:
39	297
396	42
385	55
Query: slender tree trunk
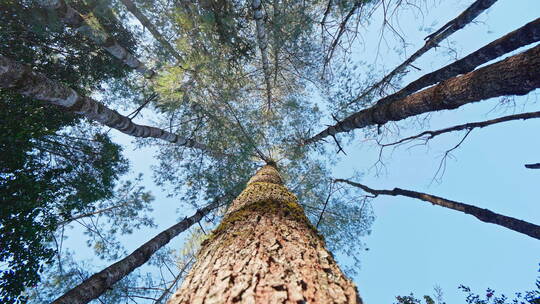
516	75
262	40
432	41
484	215
74	19
147	24
265	251
97	284
24	80
512	41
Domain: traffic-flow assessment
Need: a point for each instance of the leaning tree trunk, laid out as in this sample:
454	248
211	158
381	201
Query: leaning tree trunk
515	75
265	251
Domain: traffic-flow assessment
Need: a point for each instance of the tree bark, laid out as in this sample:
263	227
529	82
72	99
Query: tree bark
433	40
262	41
512	41
147	24
265	251
22	79
516	75
484	215
74	19
97	284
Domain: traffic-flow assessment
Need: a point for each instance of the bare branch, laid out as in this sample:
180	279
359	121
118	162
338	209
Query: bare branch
484	215
427	135
147	24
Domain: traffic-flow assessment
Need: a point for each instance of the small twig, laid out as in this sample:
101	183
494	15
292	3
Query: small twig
325	204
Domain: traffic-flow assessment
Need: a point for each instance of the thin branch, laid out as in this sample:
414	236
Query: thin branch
427	135
325	204
484	215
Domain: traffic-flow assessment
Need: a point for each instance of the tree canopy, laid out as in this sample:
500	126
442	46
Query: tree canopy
215	89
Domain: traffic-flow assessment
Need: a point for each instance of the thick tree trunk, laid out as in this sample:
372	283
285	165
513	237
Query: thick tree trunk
97	284
74	19
147	24
516	75
484	215
265	251
24	80
432	41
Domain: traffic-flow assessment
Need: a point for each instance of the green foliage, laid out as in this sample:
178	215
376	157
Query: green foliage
51	166
489	297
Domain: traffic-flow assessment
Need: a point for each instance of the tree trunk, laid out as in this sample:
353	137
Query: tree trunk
265	251
74	19
516	75
100	282
484	215
510	42
432	41
147	24
258	15
24	80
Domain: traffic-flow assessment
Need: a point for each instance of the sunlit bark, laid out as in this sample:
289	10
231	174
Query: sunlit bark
516	75
24	80
265	251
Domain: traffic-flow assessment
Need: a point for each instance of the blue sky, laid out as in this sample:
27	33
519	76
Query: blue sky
415	245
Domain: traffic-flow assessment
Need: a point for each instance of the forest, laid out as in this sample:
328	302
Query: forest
278	151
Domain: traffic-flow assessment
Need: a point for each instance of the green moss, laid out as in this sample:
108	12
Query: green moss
264	198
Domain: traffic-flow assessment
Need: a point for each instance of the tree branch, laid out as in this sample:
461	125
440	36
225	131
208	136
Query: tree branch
516	75
484	215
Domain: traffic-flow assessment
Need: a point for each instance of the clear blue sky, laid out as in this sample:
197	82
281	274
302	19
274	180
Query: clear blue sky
415	245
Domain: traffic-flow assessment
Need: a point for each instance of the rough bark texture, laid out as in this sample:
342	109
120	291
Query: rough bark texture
74	19
265	251
258	15
484	215
97	284
147	24
516	75
22	79
512	41
433	40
